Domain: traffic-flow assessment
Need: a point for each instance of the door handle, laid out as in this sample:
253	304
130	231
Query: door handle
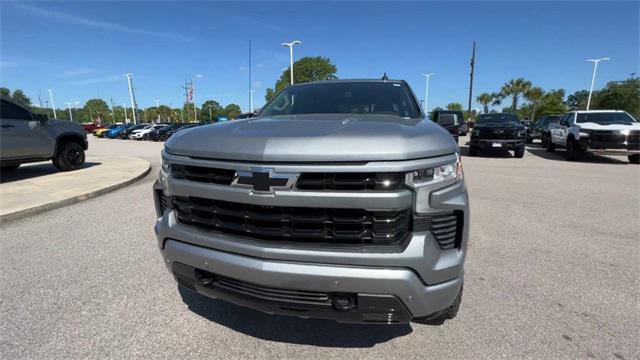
7	126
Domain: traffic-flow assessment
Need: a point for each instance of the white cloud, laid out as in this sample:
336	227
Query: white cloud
105	25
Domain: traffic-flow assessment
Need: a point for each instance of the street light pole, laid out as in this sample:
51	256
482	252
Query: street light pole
290	45
251	100
133	100
52	104
593	77
158	110
125	113
426	92
70	113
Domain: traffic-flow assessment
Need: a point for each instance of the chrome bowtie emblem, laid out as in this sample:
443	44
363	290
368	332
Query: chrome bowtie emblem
498	131
264	180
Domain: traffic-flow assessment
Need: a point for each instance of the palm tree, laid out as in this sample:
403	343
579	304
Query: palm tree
515	88
534	95
485	99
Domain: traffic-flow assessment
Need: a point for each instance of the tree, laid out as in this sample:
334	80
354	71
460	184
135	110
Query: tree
232	111
533	96
454	106
485	99
19	97
578	100
621	95
216	110
304	70
97	108
5	92
515	88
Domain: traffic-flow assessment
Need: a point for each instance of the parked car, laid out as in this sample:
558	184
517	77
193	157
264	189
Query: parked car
101	131
125	134
463	130
502	131
28	137
606	132
116	131
170	133
354	207
538	130
161	133
450	120
141	133
90	127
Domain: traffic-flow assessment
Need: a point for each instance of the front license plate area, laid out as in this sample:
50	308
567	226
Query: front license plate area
496	145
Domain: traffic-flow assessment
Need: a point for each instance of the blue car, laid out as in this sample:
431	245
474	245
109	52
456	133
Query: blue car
113	133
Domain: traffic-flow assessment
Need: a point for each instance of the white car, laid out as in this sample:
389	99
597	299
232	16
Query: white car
607	132
139	134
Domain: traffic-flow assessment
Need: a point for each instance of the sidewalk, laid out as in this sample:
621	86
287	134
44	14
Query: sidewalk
39	187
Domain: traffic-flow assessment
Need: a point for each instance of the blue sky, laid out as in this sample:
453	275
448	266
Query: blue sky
81	49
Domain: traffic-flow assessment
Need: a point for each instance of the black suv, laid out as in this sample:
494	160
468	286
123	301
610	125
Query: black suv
498	131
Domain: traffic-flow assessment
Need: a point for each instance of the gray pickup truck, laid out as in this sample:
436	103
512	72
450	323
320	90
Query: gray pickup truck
339	200
27	137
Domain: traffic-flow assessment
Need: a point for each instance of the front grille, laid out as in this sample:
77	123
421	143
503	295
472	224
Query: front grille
614	136
350	181
357	181
491	135
163	202
268	293
446	228
203	174
353	227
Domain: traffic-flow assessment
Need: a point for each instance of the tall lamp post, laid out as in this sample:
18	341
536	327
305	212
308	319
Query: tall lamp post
593	77
290	45
53	106
133	99
251	100
426	91
158	109
70	113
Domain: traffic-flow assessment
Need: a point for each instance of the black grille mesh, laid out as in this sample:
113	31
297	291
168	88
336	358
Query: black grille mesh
446	228
296	224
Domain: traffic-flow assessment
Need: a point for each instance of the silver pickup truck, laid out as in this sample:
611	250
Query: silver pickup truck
340	200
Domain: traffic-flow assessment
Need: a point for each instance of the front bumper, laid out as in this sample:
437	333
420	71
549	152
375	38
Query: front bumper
623	148
382	295
496	144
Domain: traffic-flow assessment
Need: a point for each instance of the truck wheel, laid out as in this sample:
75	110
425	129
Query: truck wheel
573	150
519	152
8	168
551	147
447	314
634	159
70	156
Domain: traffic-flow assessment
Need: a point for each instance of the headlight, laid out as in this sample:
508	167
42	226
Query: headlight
584	133
444	173
166	167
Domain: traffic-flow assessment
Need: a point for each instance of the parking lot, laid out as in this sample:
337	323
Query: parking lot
552	272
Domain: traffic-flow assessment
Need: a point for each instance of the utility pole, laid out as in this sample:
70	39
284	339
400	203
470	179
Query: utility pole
250	82
193	96
125	113
426	92
593	78
158	110
132	96
186	99
70	113
473	64
52	105
251	99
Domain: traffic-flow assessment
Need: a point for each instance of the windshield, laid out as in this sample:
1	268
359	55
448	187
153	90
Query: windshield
496	118
388	98
606	118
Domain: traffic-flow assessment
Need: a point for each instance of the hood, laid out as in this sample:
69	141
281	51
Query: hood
319	138
65	125
614	127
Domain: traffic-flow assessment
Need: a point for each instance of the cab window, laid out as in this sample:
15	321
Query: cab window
9	110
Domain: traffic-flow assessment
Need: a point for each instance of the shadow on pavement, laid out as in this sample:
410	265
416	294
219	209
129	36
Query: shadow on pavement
289	329
559	155
28	171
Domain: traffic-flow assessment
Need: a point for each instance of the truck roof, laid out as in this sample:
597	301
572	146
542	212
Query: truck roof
351	81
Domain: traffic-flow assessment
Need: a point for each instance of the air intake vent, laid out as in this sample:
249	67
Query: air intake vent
446	228
203	174
350	181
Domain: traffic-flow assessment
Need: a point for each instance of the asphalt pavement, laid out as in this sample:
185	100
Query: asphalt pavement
552	272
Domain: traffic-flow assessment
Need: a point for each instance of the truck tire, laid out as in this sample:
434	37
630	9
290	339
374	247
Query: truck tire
573	150
70	156
550	146
447	314
519	152
634	159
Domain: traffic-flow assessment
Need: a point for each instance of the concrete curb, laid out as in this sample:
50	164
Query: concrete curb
72	200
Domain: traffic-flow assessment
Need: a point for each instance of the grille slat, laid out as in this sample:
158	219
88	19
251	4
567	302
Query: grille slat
295	224
269	293
446	228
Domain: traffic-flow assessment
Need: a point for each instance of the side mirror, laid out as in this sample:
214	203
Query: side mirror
41	118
